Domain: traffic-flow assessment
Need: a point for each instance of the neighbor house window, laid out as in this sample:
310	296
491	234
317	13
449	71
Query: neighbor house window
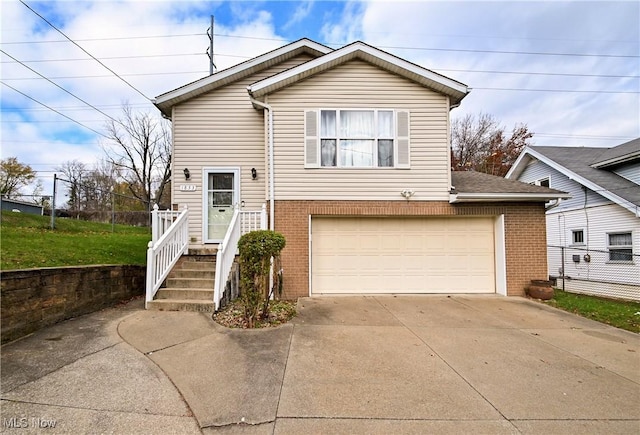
620	247
357	138
544	182
577	237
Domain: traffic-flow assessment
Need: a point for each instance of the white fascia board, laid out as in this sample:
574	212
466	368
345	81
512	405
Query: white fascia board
518	166
505	197
453	86
229	72
585	182
617	160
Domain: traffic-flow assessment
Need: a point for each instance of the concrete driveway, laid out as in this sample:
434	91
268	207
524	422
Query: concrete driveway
405	364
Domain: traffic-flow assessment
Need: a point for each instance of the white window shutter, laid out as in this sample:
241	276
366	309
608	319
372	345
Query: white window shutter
402	138
311	140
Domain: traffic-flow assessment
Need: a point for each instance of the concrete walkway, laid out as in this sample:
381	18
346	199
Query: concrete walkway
423	364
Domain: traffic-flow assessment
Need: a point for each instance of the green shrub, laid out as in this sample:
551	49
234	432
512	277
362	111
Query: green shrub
257	249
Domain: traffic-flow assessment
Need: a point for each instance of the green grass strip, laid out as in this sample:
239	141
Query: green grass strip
621	314
27	242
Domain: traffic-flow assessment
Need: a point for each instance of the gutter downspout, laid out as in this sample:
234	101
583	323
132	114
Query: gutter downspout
271	171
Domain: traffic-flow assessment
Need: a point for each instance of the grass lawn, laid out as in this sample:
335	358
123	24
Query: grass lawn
621	314
27	242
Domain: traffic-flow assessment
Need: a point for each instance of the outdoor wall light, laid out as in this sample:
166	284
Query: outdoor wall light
187	174
254	174
407	194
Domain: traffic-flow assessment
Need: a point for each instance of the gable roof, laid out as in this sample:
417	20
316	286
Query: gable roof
577	164
469	186
359	50
326	58
165	101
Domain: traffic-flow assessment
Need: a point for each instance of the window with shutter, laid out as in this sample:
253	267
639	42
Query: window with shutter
357	138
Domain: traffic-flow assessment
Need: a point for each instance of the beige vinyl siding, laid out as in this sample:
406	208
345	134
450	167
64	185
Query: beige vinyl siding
221	129
357	84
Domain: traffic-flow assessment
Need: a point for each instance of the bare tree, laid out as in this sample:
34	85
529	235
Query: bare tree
14	176
140	147
482	145
74	172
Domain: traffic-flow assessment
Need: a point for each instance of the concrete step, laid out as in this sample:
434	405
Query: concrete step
180	305
185	294
196	265
192	273
190	283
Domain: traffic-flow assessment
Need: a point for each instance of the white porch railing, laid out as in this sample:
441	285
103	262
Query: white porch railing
161	220
170	239
242	222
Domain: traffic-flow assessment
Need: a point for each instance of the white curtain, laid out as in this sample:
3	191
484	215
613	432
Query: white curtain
328	124
385	124
354	152
385	153
355	126
328	152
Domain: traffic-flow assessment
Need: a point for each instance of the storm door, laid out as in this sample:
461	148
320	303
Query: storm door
221	196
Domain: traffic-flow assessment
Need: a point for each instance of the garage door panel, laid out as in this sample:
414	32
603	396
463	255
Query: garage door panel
402	255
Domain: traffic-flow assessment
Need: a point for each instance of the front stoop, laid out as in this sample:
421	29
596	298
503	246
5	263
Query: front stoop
189	286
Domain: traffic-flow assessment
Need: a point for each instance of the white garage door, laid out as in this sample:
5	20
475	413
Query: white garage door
402	255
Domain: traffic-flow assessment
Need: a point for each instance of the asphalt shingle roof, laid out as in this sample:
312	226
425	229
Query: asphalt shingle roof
619	151
478	182
579	161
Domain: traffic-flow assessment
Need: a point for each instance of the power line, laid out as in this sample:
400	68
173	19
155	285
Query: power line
540	73
60	87
54	110
555	90
106	76
536	53
435	69
113	58
74	108
85	51
105	39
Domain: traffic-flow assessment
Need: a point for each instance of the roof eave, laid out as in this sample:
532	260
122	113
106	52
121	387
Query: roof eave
459	197
617	160
633	208
166	101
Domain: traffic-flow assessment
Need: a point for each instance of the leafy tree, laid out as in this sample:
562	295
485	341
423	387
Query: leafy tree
14	176
140	147
481	144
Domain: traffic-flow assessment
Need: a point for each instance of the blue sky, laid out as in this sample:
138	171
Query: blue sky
569	70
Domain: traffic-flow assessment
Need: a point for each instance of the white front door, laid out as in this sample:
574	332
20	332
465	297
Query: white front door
221	196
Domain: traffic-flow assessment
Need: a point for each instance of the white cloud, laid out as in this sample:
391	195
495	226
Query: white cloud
302	11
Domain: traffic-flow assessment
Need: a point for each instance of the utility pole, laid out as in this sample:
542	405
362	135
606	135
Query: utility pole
212	66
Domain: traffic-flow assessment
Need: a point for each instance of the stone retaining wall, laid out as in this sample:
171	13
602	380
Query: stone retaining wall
34	298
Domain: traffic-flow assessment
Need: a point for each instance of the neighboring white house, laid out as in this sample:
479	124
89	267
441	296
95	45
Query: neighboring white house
598	229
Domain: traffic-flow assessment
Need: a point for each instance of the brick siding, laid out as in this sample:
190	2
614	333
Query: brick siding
525	234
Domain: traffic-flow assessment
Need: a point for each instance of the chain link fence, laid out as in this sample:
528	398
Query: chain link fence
97	204
609	273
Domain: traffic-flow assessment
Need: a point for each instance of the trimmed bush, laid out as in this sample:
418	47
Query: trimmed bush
257	249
